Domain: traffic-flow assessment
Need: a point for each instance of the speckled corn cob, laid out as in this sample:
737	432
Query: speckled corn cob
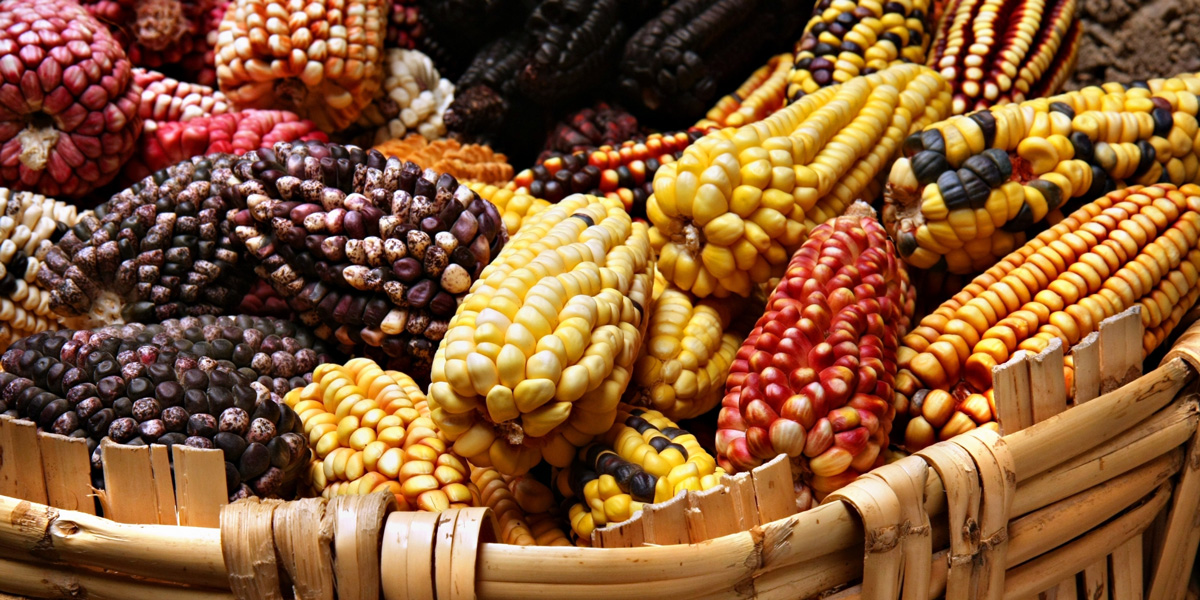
322	60
522	508
159	249
762	94
516	207
971	186
643	459
29	226
734	207
1138	245
412	99
624	172
814	378
371	432
538	355
471	161
689	348
846	38
999	51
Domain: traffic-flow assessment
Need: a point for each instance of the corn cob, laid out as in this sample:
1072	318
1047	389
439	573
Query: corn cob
470	161
599	125
1133	246
29	226
677	62
404	28
734	207
1000	51
814	378
690	345
538	355
762	94
323	62
847	38
970	186
371	432
453	31
485	91
522	507
623	172
516	207
643	459
412	99
165	99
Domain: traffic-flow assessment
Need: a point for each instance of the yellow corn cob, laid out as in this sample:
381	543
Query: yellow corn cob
731	211
515	206
1133	246
371	432
847	38
539	353
522	507
971	186
643	459
689	348
762	94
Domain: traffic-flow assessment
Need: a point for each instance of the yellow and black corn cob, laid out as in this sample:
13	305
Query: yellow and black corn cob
735	206
371	432
970	187
643	459
523	507
762	94
515	207
1000	51
539	353
847	38
1135	246
689	348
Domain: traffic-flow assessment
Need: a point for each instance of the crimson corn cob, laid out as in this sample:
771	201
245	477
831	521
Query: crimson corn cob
371	432
762	94
643	459
689	348
599	125
971	186
623	172
538	355
733	208
523	508
999	51
814	379
1135	246
846	38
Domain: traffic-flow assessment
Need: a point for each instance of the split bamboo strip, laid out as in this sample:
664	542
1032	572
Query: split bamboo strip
1180	544
1014	404
20	461
45	581
1028	578
1095	580
164	489
129	483
1049	388
248	542
186	555
1125	564
358	525
67	470
199	485
1120	356
1086	369
303	538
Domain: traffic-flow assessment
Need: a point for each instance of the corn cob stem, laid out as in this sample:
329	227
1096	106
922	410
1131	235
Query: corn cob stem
738	202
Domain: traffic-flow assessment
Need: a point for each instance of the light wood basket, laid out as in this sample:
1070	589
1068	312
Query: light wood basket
1094	500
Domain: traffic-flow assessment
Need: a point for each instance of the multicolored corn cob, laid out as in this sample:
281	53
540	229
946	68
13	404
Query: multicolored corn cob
1138	245
517	208
848	38
732	209
690	346
523	508
762	94
644	458
371	432
538	355
814	378
623	172
970	187
1000	51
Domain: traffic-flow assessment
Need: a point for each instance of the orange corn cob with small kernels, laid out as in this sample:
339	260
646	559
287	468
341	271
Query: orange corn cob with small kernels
762	94
814	379
1136	246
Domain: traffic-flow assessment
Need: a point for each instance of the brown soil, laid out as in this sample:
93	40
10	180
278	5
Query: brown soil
1128	40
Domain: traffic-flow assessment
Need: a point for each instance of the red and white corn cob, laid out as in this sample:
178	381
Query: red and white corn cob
166	99
814	378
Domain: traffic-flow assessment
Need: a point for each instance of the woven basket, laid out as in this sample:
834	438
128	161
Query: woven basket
1092	501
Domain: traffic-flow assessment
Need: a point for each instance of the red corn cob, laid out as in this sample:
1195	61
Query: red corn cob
165	99
593	126
814	378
